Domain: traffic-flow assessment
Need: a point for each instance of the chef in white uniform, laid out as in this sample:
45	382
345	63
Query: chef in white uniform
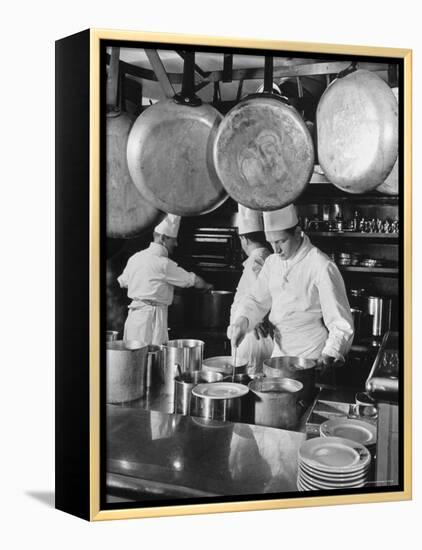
304	292
257	344
150	277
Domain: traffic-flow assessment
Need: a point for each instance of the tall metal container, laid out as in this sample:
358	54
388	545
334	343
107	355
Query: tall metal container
126	368
184	401
276	402
185	354
379	310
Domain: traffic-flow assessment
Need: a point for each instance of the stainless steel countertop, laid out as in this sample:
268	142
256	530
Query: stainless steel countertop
153	455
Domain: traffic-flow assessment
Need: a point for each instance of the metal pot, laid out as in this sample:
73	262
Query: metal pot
276	402
184	402
212	308
111	335
224	365
378	314
126	368
184	354
295	368
228	404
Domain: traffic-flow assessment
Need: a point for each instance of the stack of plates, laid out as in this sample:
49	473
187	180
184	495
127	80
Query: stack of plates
332	463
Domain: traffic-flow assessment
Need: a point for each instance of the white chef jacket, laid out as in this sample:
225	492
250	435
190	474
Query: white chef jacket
251	350
307	301
150	277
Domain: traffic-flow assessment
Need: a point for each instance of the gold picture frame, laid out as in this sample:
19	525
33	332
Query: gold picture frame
91	508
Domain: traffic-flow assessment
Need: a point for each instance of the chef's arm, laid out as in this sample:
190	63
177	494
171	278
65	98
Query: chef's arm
251	309
336	313
178	276
122	279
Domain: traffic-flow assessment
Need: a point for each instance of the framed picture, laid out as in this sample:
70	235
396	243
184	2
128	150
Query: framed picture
233	229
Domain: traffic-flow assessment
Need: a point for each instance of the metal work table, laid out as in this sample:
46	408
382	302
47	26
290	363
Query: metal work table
153	455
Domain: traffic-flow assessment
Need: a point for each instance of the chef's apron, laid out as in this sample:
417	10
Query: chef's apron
147	323
254	352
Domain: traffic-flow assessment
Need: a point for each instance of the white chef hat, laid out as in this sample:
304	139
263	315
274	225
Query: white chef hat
169	226
249	221
278	220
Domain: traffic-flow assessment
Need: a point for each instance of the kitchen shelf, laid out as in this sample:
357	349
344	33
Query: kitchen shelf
350	234
371	270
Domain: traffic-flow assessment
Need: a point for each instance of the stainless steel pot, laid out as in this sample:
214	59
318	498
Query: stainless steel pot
212	308
295	368
223	364
184	401
126	367
186	354
111	335
276	402
222	407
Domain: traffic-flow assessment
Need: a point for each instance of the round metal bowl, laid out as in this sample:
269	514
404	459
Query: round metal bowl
224	365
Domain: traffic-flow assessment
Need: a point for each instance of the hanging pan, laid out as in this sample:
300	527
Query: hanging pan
169	152
357	126
128	214
263	152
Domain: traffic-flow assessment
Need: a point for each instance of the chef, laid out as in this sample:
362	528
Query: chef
304	292
257	345
150	277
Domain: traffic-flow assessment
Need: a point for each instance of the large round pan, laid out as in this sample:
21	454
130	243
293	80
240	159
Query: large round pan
357	126
263	152
169	152
128	214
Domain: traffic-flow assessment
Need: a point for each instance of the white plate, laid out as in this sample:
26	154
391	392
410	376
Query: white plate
348	428
332	476
334	454
313	482
220	390
322	487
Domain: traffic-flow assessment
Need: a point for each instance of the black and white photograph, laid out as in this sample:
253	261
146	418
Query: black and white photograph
252	253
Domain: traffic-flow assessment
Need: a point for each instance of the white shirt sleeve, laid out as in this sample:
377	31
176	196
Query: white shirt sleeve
257	302
123	279
178	276
335	312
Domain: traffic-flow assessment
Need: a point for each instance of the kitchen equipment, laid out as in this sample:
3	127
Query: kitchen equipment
220	401
276	402
186	354
378	318
224	365
296	368
184	402
356	297
212	247
212	309
153	365
111	335
263	151
126	368
383	379
357	121
169	152
128	214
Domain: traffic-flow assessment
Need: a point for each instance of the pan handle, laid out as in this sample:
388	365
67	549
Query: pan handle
187	95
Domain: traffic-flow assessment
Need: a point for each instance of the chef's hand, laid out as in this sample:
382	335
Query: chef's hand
325	362
201	284
261	330
237	331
